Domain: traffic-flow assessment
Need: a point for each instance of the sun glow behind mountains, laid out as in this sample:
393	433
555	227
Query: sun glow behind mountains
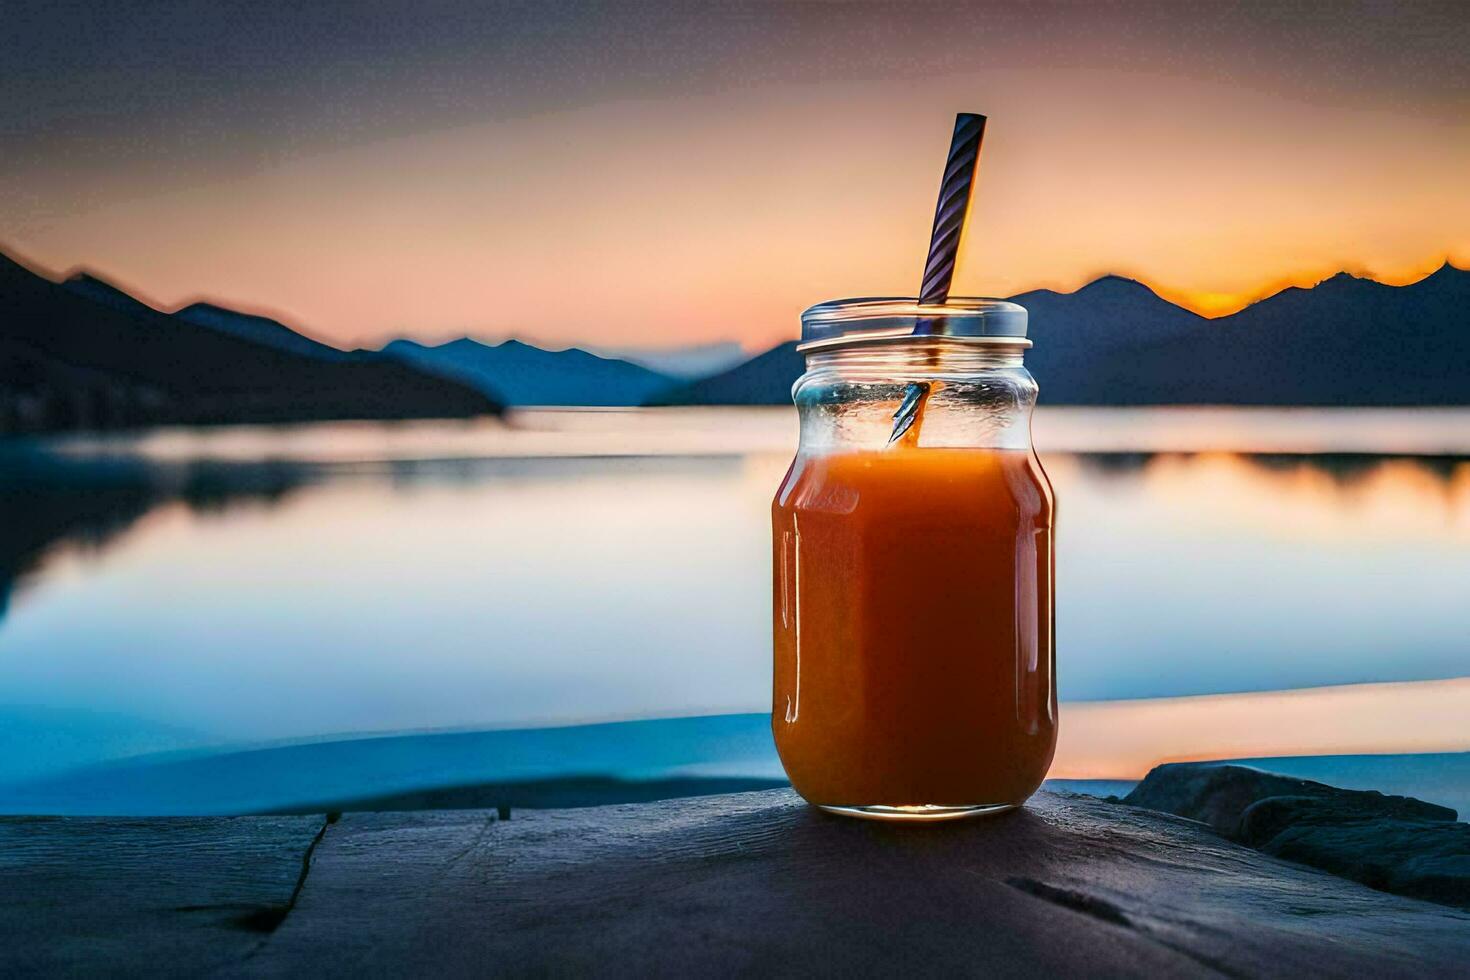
669	176
1213	304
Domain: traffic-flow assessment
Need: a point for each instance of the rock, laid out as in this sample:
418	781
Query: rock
749	884
1427	859
1219	795
1393	843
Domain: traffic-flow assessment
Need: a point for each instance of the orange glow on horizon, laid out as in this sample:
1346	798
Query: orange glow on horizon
1213	305
717	216
1210	305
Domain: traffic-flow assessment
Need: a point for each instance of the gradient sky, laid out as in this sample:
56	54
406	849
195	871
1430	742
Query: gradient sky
670	173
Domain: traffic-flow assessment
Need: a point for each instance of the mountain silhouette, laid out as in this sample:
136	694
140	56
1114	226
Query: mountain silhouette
1345	341
1074	332
262	330
84	354
765	379
683	363
517	373
103	292
247	326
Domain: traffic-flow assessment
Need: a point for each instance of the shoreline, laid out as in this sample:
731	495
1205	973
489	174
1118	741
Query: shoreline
619	762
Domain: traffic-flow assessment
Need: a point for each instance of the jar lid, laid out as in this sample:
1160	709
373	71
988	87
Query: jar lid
888	319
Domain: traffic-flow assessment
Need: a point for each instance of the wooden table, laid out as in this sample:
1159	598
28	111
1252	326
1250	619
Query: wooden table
752	883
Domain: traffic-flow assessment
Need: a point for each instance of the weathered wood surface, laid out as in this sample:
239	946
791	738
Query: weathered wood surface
175	897
748	884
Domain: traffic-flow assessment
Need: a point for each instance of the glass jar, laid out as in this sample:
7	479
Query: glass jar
912	559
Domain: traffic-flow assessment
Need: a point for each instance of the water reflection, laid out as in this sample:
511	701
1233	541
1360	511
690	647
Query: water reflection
54	503
1344	469
395	596
1209	573
1345	496
50	504
211	598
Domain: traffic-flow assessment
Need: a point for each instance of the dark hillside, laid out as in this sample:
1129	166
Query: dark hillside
86	358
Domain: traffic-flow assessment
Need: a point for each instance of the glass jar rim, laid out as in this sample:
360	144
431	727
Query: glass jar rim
896	319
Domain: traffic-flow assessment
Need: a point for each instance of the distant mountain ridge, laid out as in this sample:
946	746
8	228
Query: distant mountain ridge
685	363
518	373
85	355
247	326
1344	341
765	379
263	330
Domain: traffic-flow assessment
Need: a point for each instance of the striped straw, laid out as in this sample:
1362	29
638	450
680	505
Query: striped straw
955	191
953	207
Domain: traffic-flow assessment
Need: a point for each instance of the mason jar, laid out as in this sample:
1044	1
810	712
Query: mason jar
913	568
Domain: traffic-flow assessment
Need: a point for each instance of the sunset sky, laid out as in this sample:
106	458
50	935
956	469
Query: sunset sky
669	173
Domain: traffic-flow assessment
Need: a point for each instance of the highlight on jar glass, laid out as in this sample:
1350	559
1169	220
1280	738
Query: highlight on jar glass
912	550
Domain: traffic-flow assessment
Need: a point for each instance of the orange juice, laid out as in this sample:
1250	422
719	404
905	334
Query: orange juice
913	628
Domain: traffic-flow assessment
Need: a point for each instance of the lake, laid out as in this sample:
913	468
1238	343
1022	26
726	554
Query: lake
1230	583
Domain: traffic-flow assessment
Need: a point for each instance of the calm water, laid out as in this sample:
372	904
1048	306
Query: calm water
185	590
